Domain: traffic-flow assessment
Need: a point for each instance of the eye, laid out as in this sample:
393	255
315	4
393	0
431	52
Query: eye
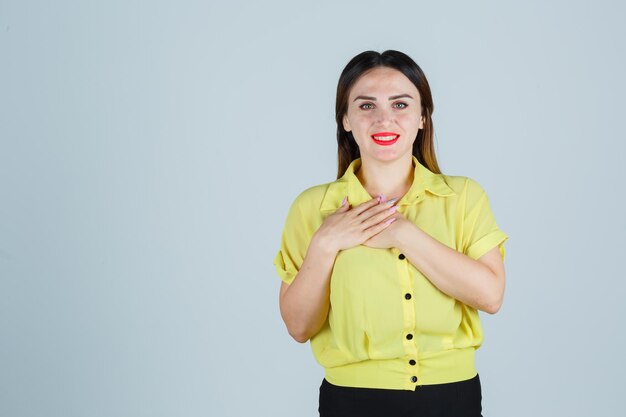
403	104
365	104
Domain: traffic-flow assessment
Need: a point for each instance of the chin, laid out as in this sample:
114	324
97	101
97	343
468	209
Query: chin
389	155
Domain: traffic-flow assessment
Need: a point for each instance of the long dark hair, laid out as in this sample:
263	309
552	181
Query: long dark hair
347	148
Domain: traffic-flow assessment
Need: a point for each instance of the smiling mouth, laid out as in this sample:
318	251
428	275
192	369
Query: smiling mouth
385	140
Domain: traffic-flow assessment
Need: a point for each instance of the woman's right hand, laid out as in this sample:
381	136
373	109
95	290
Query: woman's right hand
348	227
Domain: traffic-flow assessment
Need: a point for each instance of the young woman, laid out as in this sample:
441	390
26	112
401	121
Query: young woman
384	270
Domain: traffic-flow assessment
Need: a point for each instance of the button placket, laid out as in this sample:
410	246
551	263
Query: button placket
408	309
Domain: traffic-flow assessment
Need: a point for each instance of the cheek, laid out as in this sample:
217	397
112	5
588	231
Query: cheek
363	118
360	124
410	118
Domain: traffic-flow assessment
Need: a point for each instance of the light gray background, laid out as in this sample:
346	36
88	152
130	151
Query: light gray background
149	152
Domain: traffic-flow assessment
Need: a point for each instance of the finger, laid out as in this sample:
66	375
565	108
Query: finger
380	216
376	210
377	228
364	206
345	204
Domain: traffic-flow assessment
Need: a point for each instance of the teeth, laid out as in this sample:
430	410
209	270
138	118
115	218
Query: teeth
385	138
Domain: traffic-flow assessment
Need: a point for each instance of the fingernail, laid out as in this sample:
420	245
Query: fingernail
393	200
344	201
392	209
390	220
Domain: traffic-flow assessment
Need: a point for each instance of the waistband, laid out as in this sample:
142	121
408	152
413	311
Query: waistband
430	368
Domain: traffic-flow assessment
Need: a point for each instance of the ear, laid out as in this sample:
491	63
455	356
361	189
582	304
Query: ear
346	123
421	122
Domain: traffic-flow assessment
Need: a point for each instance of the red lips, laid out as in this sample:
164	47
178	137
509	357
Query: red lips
385	134
385	142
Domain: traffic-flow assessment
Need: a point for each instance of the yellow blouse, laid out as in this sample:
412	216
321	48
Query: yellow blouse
388	326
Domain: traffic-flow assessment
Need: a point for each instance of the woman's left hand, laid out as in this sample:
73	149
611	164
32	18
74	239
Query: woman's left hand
388	237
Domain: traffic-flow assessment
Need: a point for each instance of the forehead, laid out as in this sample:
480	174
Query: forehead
383	81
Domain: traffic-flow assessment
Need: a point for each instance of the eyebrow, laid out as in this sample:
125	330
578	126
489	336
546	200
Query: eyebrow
390	98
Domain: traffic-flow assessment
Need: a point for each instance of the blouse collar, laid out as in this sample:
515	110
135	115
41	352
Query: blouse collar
349	184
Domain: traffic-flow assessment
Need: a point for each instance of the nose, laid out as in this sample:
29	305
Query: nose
384	115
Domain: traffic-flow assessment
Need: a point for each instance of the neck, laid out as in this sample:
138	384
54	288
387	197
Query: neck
391	179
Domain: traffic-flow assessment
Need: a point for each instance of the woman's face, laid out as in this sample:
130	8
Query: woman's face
384	114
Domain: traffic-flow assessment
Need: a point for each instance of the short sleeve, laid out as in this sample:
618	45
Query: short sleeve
480	230
293	244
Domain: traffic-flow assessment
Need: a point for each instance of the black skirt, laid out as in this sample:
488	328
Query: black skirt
454	399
